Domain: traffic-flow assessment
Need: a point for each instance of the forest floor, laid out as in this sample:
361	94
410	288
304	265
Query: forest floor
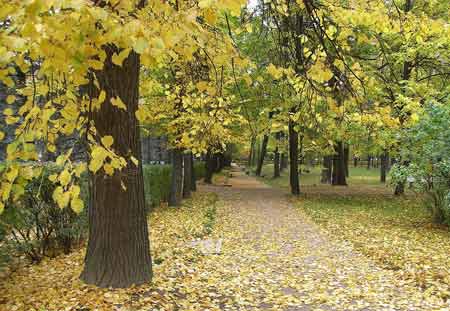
277	253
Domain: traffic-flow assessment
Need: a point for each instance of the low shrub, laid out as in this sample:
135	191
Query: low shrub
200	170
157	179
34	226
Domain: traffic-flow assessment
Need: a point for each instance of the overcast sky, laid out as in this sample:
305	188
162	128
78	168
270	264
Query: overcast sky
252	3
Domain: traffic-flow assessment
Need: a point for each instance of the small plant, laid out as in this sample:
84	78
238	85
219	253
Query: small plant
36	227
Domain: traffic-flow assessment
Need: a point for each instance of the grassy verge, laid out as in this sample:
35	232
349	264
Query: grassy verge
357	176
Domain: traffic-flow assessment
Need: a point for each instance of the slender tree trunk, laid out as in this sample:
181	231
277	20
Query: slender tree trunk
118	250
327	169
176	187
407	68
187	175
355	161
250	155
276	163
293	159
384	166
369	160
262	155
338	178
283	161
193	175
210	165
219	162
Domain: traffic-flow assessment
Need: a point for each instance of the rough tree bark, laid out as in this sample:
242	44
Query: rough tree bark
176	186
187	175
293	159
339	178
118	251
327	168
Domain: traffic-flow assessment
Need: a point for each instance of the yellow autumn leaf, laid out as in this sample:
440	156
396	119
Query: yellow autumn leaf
77	205
107	141
117	102
10	99
64	178
118	59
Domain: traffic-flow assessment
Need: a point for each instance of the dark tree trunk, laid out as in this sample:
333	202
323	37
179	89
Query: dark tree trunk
118	251
369	160
355	161
193	175
327	169
219	162
407	69
187	175
209	165
399	189
262	155
293	159
176	186
384	166
276	163
338	178
251	153
283	162
346	160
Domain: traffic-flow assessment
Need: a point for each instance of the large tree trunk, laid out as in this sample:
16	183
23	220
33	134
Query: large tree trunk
327	169
384	166
293	159
118	251
193	175
262	155
176	186
339	178
187	175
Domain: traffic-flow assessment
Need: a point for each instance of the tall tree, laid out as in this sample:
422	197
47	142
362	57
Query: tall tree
118	251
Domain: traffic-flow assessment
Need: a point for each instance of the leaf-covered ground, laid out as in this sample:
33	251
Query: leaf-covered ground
273	258
396	232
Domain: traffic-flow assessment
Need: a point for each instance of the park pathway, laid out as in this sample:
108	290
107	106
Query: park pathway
275	258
